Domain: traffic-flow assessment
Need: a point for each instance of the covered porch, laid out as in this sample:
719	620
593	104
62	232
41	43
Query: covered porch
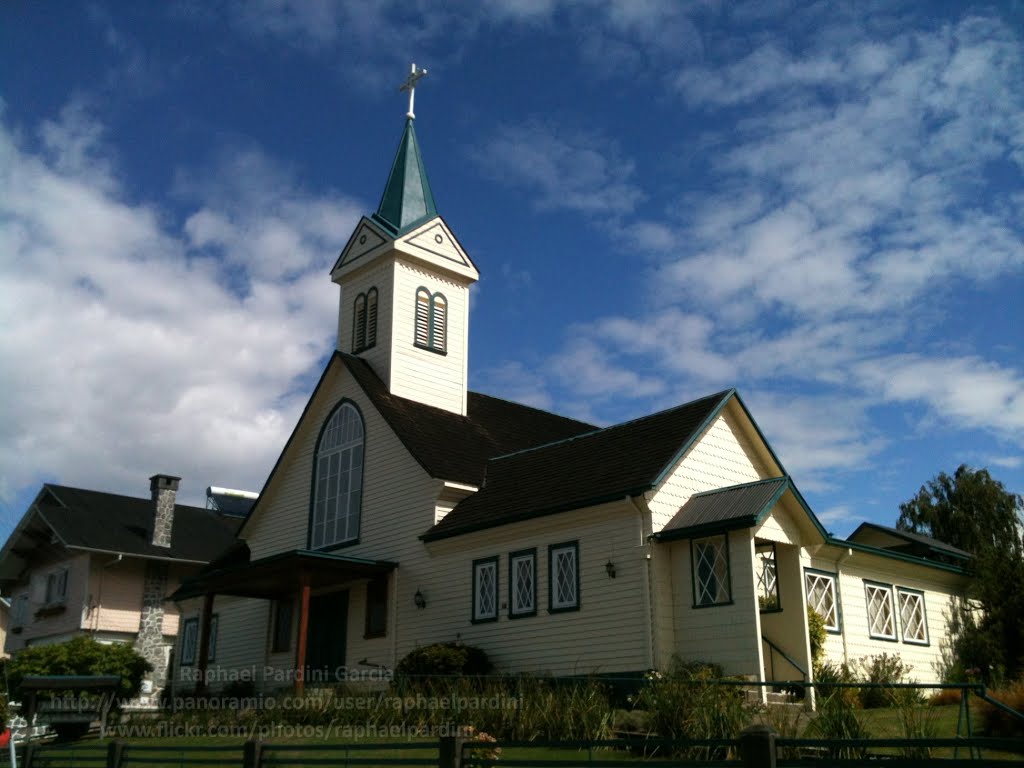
310	579
741	550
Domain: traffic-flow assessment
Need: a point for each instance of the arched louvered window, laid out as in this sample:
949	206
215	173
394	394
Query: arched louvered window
364	321
359	323
431	320
338	480
371	317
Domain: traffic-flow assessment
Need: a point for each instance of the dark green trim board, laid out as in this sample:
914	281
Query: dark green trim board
313	476
728	572
512	557
858	547
474	619
838	596
552	577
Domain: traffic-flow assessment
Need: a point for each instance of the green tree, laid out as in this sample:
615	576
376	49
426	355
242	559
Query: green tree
975	512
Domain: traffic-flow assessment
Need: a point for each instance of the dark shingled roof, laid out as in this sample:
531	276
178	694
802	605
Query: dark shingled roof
456	448
596	467
739	506
917	543
113	523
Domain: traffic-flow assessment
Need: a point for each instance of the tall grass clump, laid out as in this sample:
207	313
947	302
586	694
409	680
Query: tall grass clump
836	719
688	702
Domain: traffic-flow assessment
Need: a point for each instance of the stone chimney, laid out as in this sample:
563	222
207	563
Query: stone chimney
164	489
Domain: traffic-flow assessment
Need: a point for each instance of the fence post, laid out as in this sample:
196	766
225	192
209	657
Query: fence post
252	754
450	751
115	752
29	756
757	745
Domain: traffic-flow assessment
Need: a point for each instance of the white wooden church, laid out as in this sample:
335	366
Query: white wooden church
406	510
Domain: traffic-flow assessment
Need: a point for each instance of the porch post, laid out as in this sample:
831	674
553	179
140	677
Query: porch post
204	643
300	651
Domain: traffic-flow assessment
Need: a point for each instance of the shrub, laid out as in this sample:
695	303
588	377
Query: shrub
81	655
442	660
916	722
945	697
998	722
817	634
826	675
883	669
836	718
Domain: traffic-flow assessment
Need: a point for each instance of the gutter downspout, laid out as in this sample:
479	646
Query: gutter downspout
646	584
839	597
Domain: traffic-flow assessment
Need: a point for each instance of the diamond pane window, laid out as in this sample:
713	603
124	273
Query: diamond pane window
767	577
338	486
821	597
912	616
522	583
881	621
563	570
485	589
711	571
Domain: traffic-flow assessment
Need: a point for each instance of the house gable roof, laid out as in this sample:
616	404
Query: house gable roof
108	522
908	542
596	467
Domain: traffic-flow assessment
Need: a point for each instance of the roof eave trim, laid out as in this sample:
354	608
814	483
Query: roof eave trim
868	549
706	529
140	555
428	536
684	449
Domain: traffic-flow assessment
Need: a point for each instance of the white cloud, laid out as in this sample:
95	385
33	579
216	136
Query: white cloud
131	347
572	171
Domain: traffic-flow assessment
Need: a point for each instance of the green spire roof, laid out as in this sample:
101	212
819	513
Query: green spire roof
407	200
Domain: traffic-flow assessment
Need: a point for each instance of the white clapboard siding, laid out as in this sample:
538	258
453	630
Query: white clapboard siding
724	455
419	374
855	642
609	633
725	634
380	276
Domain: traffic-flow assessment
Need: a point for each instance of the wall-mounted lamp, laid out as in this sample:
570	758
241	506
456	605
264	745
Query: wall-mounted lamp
610	568
419	599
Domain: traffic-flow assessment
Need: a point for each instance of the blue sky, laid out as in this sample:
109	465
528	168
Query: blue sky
818	204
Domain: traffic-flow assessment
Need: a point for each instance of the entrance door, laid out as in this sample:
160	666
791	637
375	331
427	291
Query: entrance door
325	643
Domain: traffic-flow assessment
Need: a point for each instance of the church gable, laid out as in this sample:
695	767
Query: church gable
367	242
436	246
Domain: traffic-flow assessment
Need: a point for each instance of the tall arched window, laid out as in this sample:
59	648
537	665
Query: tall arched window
371	317
338	481
431	320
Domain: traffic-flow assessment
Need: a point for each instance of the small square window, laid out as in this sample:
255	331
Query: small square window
564	577
881	621
57	587
913	623
485	589
522	583
821	597
711	579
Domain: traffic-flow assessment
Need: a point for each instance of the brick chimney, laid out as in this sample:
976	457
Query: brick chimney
164	489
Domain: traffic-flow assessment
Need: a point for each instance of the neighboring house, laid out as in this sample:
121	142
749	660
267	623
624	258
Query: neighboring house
406	510
82	561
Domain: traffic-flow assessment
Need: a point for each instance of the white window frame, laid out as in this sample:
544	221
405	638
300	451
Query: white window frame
906	595
485	590
873	607
431	321
565	555
522	572
833	622
767	577
705	592
338	479
57	587
189	641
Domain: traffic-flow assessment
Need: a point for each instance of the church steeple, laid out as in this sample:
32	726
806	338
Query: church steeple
404	282
407	200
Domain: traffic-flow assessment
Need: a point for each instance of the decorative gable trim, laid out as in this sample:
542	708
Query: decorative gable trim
367	241
433	244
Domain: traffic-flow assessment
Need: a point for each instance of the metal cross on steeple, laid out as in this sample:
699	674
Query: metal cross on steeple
410	86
